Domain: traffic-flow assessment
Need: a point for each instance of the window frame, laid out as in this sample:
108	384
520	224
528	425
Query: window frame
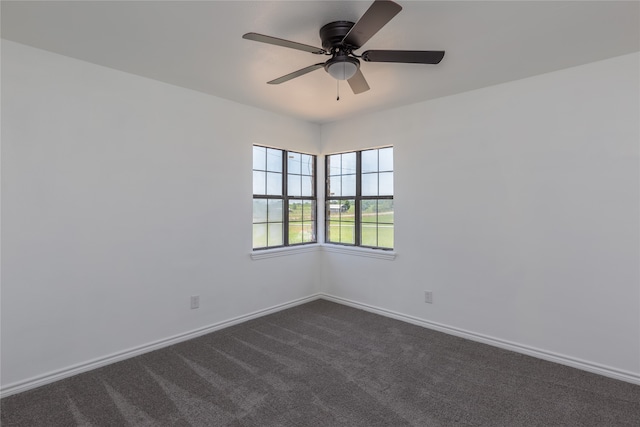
358	198
286	198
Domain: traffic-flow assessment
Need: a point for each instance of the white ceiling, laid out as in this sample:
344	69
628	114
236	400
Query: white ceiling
199	45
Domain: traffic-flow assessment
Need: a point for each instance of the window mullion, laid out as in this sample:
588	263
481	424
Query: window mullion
314	194
327	198
358	198
285	198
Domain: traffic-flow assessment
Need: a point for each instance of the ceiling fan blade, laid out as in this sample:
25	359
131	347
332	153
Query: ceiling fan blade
358	83
295	74
404	56
284	43
376	17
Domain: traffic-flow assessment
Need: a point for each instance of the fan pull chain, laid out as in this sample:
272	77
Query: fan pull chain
338	90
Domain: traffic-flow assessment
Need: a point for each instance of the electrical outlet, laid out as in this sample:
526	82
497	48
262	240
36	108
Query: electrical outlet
195	301
428	297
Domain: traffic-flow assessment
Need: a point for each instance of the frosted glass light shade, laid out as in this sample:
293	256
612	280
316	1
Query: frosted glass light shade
342	70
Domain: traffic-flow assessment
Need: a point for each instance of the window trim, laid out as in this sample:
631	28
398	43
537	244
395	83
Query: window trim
286	198
279	251
362	251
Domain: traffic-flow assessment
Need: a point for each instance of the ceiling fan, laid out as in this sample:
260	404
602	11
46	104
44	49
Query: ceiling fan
341	38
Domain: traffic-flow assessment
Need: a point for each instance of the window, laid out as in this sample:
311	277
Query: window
284	198
359	198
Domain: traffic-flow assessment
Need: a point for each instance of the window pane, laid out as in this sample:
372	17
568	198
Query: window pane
348	233
307	186
385	211
348	212
369	210
333	232
385	236
370	184
308	208
334	163
309	232
294	164
295	233
259	158
369	234
341	210
275	234
295	210
348	185
348	163
259	210
274	160
386	184
307	164
274	213
259	182
386	159
259	235
293	185
335	208
370	161
335	188
274	184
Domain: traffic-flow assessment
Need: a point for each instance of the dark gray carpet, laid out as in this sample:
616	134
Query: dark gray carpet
324	364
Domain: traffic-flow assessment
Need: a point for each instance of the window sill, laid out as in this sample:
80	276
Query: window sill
289	250
358	251
338	249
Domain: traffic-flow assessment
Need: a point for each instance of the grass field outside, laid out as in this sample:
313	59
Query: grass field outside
377	229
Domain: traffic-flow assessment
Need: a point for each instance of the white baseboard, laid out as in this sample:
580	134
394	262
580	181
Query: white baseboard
19	387
496	342
60	374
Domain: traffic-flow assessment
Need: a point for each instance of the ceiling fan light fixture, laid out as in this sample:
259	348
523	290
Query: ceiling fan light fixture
341	38
342	67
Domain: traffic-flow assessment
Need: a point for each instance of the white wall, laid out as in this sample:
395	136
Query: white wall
518	206
121	197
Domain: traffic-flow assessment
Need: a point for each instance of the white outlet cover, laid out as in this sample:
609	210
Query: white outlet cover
428	297
195	301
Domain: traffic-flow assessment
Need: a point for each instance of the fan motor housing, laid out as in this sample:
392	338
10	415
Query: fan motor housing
333	33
